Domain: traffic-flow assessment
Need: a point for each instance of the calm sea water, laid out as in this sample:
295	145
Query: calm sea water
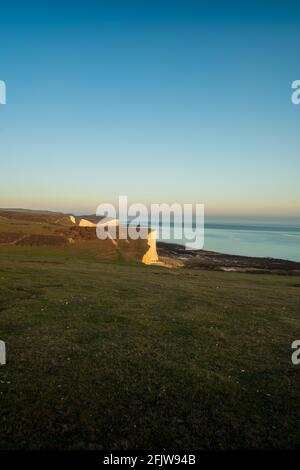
276	241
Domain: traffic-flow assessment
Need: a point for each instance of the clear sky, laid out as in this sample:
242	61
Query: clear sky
163	101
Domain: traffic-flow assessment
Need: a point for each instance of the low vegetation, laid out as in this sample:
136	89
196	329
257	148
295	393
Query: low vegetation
106	354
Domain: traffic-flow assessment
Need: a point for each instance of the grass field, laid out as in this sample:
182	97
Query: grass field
108	355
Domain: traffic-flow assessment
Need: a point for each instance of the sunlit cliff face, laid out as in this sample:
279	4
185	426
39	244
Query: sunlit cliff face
151	255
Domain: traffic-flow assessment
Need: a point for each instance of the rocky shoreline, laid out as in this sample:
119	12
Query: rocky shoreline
175	255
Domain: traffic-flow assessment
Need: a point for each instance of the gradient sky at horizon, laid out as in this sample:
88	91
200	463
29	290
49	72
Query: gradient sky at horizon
161	101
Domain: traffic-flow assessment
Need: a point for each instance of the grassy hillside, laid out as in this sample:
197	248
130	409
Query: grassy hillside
104	354
33	230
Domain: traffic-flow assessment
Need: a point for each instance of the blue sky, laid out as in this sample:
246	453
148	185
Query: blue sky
161	101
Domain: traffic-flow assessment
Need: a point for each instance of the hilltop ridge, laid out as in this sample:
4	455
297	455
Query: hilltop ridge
73	234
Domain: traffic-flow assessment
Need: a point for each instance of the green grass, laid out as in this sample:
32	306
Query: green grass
104	355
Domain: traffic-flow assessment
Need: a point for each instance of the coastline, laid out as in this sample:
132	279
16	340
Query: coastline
178	256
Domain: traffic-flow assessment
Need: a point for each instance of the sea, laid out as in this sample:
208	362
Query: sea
259	239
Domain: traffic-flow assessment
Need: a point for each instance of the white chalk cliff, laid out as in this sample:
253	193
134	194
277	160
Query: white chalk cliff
86	223
151	256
